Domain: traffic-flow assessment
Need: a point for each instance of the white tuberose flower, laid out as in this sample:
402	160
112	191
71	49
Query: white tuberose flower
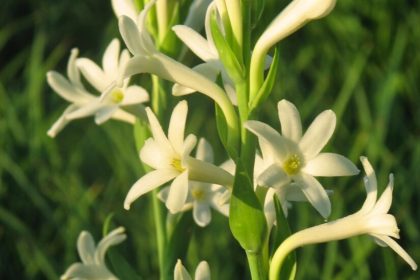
297	158
93	257
372	219
170	157
202	196
202	272
84	104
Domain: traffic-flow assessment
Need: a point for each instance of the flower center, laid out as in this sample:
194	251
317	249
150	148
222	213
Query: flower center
292	164
198	194
117	95
176	163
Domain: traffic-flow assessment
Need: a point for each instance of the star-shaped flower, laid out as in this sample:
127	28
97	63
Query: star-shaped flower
93	257
202	271
169	156
297	158
203	196
111	99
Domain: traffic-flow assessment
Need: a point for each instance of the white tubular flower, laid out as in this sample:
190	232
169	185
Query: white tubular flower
202	271
294	16
93	257
372	219
169	156
108	104
297	158
206	51
125	8
203	196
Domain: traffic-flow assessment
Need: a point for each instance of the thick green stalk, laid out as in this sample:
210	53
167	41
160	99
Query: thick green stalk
158	106
256	265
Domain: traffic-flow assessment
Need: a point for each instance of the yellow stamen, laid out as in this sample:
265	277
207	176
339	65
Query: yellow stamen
292	164
198	194
176	163
117	95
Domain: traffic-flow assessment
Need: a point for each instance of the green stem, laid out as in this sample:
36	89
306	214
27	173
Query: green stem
256	265
158	106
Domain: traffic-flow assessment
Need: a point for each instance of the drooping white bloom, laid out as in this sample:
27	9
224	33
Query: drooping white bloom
125	7
169	156
297	158
372	219
111	99
203	196
93	264
202	271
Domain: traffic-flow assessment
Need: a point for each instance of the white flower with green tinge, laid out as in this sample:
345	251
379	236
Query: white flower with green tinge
297	158
93	257
372	219
202	272
111	100
169	156
203	196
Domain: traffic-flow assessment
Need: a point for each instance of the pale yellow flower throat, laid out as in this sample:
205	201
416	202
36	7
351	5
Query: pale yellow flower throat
292	164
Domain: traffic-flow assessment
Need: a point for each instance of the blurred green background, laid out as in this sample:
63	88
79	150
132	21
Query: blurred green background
362	61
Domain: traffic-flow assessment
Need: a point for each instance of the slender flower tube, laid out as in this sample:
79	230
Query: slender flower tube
93	257
294	16
169	156
296	158
372	219
148	60
202	271
203	196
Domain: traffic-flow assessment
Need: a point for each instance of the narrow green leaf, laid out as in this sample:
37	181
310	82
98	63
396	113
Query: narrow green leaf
257	9
268	84
288	269
223	132
229	59
246	219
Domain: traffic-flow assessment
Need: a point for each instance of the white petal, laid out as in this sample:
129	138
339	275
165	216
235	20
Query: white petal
158	133
131	36
177	126
189	145
195	42
269	207
82	271
204	151
87	110
206	172
61	122
113	238
329	164
105	113
279	145
178	193
72	71
65	89
398	249
203	271
146	39
291	125
196	14
110	59
163	194
315	194
93	74
147	183
382	224
124	7
318	134
370	186
273	176
151	153
385	200
293	192
86	247
201	214
135	95
180	273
